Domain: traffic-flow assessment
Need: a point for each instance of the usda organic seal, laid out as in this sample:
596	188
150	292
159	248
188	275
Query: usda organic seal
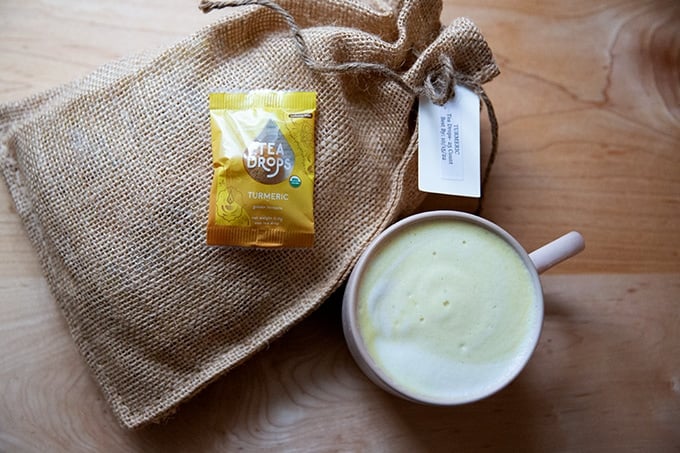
295	181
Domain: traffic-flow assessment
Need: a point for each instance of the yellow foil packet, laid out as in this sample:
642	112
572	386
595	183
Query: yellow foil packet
263	169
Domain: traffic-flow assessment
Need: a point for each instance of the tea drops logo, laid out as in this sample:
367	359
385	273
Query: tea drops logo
269	158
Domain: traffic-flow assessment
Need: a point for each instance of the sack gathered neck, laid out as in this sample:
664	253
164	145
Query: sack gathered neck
438	84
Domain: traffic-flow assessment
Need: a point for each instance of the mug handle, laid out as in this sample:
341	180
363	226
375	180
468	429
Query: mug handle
557	251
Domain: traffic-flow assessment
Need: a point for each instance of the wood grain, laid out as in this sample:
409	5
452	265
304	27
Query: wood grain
588	102
605	376
589	108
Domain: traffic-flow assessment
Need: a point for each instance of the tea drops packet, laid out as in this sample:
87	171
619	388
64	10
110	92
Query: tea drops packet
262	191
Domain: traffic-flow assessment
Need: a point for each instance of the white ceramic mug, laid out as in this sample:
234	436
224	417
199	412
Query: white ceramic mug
446	308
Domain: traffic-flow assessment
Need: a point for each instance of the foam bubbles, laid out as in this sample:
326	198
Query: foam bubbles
447	309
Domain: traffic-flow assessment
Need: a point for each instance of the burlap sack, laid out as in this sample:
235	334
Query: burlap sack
111	176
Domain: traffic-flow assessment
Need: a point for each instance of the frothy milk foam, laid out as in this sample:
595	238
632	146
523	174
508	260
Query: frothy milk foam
448	310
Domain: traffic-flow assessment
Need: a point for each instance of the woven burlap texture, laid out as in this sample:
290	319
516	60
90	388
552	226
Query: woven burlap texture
111	176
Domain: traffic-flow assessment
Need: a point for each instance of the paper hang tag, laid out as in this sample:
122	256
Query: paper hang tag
449	146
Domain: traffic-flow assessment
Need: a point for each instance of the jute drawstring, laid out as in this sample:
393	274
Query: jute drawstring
438	86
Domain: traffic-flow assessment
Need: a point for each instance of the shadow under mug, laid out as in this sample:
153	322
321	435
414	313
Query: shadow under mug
370	362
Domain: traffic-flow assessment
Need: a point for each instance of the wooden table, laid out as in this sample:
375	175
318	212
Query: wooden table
589	109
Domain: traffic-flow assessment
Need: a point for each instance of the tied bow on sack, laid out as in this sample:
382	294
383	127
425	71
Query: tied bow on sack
111	177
